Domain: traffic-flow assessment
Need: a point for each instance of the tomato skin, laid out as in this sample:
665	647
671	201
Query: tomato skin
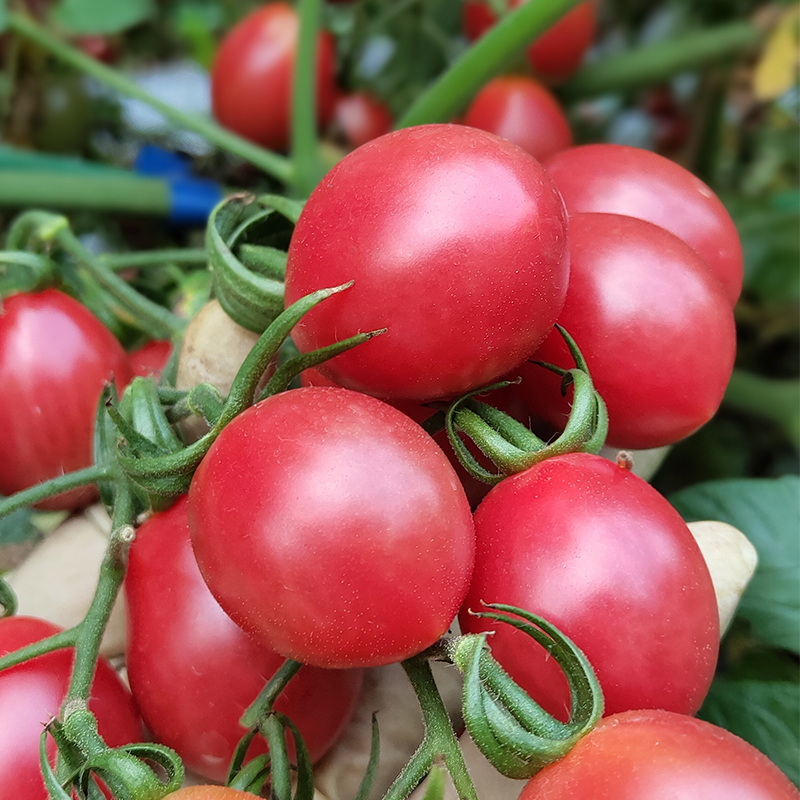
599	553
151	358
456	241
209	793
55	357
617	179
193	671
251	78
660	755
559	51
32	693
361	118
524	112
654	325
330	526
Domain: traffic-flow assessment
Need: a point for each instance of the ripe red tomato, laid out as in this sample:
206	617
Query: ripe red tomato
616	179
55	357
456	241
654	325
361	118
151	358
659	755
209	793
558	52
598	552
333	528
193	671
32	693
524	112
251	79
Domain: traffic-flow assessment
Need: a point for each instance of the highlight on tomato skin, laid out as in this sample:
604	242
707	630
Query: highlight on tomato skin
55	358
360	117
32	693
251	78
461	255
603	556
660	754
332	528
194	672
523	111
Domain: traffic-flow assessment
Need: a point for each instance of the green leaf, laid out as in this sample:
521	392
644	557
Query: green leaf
767	511
102	16
764	713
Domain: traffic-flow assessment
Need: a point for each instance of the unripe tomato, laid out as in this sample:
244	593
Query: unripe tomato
55	357
251	79
524	112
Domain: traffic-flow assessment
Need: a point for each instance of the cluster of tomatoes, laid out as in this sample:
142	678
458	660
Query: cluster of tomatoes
326	525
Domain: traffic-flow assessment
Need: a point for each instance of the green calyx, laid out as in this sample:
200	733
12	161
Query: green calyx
513	731
510	445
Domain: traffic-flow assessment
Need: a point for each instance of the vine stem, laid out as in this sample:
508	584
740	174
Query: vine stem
63	483
58	641
309	168
657	62
273	164
439	742
154	258
450	93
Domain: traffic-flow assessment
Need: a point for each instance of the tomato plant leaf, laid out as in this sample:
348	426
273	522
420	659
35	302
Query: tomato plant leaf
767	511
764	713
100	16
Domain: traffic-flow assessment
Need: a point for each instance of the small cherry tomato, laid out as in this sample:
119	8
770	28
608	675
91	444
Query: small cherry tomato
151	358
602	555
32	693
654	325
658	754
559	51
251	78
456	241
55	357
360	118
616	179
332	527
524	112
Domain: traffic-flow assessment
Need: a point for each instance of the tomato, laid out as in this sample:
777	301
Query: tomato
456	241
333	528
659	755
32	693
599	553
360	117
524	112
55	357
151	358
559	51
209	793
654	325
251	78
616	179
193	671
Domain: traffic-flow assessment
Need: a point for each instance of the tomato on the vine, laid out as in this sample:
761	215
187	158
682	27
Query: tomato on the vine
524	112
660	755
654	324
456	241
209	793
151	358
332	527
559	51
616	179
251	78
31	693
193	671
598	552
55	357
360	118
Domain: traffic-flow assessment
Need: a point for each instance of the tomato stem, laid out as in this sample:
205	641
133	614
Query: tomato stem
58	641
277	166
63	483
308	166
655	63
485	59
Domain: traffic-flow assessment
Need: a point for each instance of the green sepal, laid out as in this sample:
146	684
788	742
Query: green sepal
434	789
371	771
250	298
8	599
105	442
24	272
54	788
274	732
513	731
207	402
252	776
267	261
